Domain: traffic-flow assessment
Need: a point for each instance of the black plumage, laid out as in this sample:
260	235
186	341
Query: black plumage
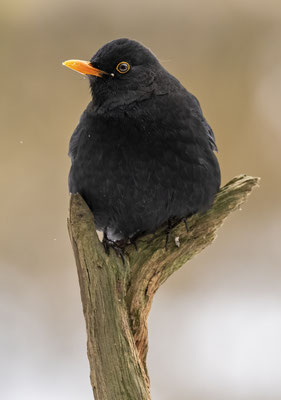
142	153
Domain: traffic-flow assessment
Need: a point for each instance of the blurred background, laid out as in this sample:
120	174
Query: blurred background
215	326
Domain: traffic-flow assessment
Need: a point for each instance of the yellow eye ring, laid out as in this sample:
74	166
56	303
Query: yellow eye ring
123	67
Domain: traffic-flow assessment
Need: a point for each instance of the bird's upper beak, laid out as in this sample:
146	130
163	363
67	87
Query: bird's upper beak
84	67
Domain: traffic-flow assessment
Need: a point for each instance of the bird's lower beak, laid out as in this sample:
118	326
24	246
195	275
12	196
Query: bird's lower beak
84	67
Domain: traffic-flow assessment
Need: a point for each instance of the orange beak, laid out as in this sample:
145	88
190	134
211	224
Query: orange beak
84	67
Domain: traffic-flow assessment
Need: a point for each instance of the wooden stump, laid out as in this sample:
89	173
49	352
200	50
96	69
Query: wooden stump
117	296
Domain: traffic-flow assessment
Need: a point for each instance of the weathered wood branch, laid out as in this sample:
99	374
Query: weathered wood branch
117	297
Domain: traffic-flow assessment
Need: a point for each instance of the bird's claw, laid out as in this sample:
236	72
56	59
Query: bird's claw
117	246
171	224
133	241
106	245
186	225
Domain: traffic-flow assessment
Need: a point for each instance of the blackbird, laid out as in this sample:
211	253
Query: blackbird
142	153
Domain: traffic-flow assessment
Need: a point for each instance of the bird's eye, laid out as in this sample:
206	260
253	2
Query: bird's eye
123	67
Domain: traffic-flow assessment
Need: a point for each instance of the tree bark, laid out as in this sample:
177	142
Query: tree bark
117	296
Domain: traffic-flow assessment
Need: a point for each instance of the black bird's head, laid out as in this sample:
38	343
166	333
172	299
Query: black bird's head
121	72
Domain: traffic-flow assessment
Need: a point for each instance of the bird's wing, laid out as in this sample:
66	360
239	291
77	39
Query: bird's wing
210	134
196	111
